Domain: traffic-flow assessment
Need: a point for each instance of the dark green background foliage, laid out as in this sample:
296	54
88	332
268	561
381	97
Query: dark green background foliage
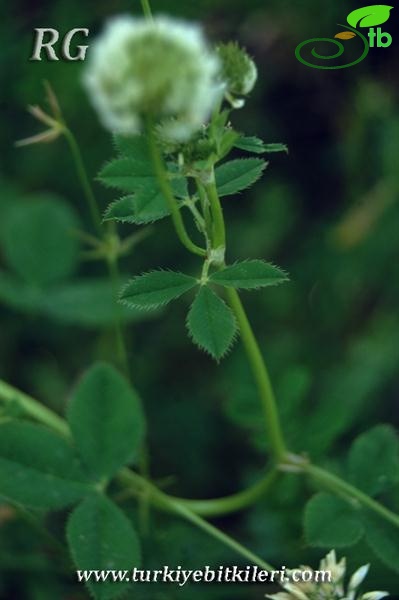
327	213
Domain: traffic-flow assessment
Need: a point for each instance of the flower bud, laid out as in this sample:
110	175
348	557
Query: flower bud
238	70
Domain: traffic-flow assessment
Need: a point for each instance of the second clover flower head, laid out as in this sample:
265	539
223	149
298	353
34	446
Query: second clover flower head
329	590
161	68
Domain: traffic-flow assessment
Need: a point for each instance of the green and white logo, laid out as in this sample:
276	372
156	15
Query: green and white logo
369	17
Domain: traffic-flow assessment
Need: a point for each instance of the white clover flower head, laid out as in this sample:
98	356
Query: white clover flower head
161	68
329	590
239	72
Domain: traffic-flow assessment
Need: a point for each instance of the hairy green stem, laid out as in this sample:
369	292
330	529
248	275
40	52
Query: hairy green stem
33	408
261	376
177	507
167	192
228	541
144	502
84	180
113	269
205	209
258	366
145	5
223	506
336	484
219	229
198	218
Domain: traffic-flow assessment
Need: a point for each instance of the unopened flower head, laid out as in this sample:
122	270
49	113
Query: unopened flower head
334	589
238	71
161	68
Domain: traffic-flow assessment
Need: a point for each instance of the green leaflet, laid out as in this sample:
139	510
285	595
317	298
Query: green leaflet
38	468
132	147
383	539
126	174
250	274
146	203
149	204
146	206
101	537
106	420
378	447
237	175
211	324
156	288
257	146
39	241
122	210
373	467
134	175
331	522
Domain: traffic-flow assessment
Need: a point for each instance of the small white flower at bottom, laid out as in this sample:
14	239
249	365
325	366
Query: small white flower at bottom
331	590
